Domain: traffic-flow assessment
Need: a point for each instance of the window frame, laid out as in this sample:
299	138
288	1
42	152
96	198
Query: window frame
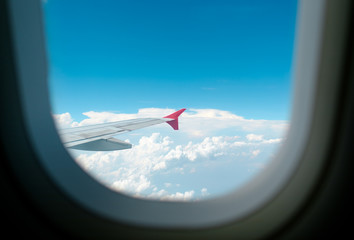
274	195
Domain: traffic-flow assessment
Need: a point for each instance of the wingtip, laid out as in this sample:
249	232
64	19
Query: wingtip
176	114
174	123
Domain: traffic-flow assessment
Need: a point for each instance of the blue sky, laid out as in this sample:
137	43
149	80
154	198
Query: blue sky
230	55
221	60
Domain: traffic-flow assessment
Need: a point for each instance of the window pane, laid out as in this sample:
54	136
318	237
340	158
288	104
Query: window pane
228	62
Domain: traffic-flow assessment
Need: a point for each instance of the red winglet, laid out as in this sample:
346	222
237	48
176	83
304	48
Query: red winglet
174	123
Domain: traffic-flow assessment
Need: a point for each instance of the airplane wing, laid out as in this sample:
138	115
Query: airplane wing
99	137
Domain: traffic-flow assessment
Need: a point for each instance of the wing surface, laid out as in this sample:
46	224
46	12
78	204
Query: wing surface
99	137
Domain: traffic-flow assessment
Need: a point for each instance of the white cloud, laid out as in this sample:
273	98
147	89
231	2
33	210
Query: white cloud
197	123
133	184
206	136
178	196
131	171
204	192
276	140
254	137
256	152
210	146
63	120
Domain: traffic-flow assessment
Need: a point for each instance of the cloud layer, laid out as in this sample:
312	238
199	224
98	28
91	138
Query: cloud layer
214	152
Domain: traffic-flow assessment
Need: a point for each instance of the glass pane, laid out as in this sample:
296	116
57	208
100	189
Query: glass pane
229	63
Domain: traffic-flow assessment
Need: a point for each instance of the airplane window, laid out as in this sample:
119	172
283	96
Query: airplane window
217	72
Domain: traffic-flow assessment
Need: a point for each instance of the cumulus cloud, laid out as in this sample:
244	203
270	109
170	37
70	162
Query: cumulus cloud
178	196
132	171
209	147
254	137
207	137
63	120
204	192
194	122
210	120
137	183
275	140
129	170
256	152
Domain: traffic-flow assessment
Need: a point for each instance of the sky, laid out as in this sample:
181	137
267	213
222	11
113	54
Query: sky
228	62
